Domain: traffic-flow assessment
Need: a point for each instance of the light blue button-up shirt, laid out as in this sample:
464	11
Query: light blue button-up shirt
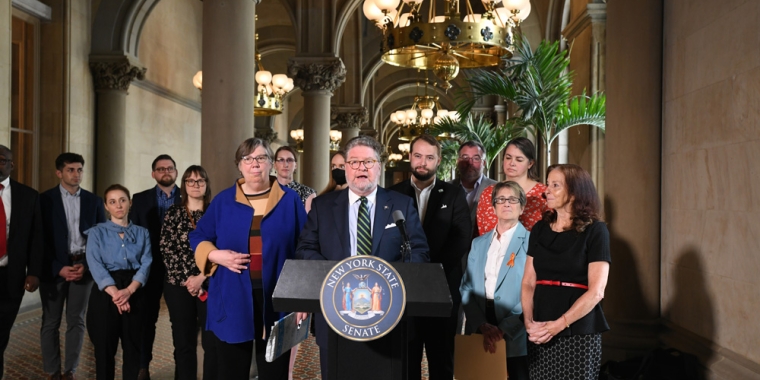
71	206
353	215
107	252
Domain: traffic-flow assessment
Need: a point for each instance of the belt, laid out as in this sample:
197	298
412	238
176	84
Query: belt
560	283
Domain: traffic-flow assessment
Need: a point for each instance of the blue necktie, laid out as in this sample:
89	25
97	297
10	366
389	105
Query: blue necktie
363	230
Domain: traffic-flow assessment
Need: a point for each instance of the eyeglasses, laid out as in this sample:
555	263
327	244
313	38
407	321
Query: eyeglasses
195	182
288	161
356	164
260	159
4	161
465	157
165	170
511	200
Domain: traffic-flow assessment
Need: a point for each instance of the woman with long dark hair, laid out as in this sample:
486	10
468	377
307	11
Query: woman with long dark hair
184	288
337	173
565	277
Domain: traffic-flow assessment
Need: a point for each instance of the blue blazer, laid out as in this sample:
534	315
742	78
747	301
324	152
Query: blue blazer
325	235
56	229
506	294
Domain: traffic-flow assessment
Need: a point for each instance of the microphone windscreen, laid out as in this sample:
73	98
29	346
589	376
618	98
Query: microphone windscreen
398	216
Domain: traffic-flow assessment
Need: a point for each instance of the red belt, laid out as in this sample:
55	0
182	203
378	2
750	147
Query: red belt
560	283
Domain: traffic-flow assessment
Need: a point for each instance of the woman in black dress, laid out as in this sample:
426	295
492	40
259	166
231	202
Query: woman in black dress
565	276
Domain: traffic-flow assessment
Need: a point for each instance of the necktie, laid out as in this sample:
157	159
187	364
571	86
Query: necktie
363	230
3	238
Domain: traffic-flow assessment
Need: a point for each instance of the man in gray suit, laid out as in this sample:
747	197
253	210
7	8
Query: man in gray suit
472	155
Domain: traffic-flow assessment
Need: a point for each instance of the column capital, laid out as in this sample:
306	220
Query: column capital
317	73
349	117
114	73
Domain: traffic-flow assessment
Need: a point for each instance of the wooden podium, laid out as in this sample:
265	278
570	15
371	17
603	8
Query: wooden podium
427	295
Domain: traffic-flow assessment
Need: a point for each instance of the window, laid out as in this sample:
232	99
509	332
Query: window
23	130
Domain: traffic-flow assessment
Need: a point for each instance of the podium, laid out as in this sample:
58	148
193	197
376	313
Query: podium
427	295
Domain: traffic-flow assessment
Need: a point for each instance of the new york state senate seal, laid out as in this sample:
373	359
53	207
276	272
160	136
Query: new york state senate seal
363	298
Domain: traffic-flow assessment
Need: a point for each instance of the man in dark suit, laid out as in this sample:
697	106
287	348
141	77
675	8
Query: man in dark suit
334	229
446	220
471	178
148	210
67	211
20	246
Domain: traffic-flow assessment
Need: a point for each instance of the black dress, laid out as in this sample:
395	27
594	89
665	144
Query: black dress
574	353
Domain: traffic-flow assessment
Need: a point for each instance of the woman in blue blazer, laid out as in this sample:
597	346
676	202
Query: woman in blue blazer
492	282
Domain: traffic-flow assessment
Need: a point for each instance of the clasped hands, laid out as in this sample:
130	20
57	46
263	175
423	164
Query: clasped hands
491	335
543	332
120	298
73	272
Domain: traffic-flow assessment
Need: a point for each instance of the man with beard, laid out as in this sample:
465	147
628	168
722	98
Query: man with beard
471	177
148	209
445	218
358	221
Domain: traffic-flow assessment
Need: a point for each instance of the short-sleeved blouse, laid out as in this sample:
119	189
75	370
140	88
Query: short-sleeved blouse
564	256
303	191
179	258
534	208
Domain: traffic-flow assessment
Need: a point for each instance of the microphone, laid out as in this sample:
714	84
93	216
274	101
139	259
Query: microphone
406	246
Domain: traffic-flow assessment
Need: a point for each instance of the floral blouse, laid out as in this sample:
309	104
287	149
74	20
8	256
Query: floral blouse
534	208
175	247
303	191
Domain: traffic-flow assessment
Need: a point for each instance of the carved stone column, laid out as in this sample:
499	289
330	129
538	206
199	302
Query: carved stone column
598	14
350	120
228	85
112	77
318	78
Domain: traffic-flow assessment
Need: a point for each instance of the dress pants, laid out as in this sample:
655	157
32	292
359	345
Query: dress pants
517	366
153	290
234	359
8	309
106	326
53	296
188	314
436	335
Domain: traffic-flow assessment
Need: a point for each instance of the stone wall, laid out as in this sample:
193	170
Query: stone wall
711	182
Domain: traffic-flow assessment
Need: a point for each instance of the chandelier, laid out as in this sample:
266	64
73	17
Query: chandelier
335	137
418	120
445	42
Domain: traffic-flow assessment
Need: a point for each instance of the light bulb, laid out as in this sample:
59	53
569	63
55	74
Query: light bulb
371	11
404	20
400	116
502	15
294	134
427	113
411	115
300	133
289	86
387	5
453	115
263	77
515	4
442	113
198	80
279	81
524	11
394	118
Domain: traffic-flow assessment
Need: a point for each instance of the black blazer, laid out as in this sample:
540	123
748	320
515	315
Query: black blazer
447	222
24	238
144	213
56	229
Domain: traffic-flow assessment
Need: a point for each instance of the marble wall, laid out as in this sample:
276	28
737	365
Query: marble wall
711	178
5	72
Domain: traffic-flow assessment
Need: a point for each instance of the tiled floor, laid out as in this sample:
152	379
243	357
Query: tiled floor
23	359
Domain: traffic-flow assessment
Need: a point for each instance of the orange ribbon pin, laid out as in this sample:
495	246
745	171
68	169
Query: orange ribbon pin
511	262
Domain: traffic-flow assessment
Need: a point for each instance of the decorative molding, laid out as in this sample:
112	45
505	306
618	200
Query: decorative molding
34	8
317	74
352	117
115	74
576	26
166	93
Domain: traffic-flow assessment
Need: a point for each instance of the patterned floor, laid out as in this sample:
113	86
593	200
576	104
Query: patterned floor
24	361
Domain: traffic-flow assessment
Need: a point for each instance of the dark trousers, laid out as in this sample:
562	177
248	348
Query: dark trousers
234	359
153	291
436	335
8	309
517	366
188	314
105	326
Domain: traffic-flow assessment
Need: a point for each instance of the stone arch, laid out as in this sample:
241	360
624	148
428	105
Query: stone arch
118	25
344	16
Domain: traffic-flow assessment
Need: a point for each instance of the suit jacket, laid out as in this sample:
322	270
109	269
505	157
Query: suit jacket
24	238
56	229
506	293
446	225
474	210
144	213
325	235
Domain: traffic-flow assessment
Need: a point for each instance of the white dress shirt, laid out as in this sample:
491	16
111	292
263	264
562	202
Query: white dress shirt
5	195
496	253
423	195
353	215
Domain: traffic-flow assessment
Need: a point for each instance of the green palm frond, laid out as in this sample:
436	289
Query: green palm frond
581	110
449	153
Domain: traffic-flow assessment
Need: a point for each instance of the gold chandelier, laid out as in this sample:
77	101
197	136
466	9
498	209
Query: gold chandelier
444	43
426	111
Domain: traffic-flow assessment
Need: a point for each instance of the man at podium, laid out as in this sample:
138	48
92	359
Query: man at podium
358	221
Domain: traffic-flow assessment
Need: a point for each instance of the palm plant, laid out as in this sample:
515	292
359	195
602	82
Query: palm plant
480	129
540	84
